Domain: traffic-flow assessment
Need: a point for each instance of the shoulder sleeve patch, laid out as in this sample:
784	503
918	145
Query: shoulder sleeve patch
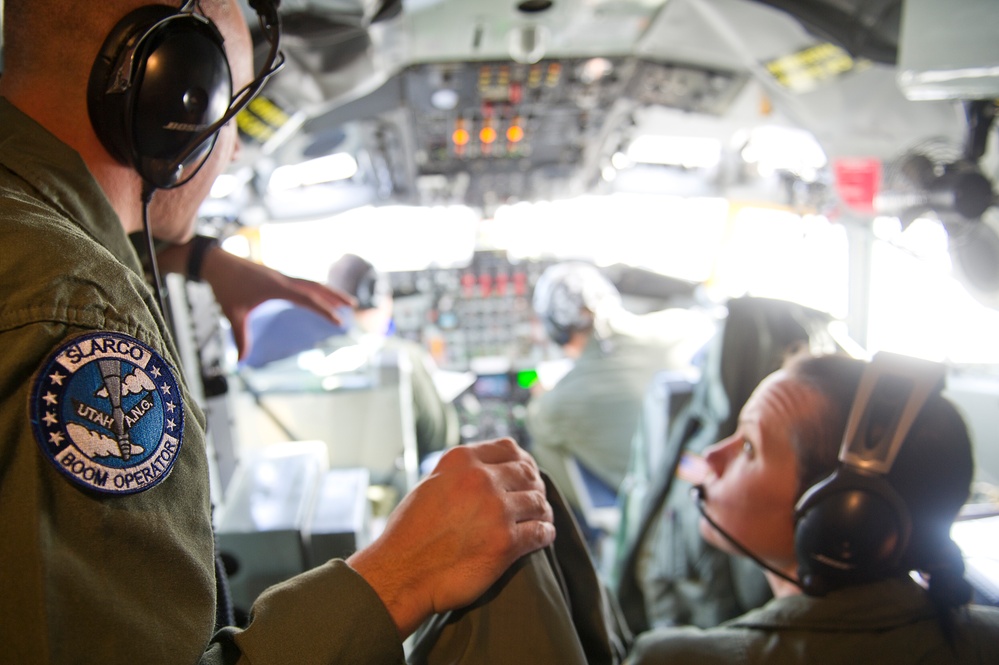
107	412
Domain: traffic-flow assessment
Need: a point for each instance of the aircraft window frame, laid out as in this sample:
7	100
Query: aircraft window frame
918	307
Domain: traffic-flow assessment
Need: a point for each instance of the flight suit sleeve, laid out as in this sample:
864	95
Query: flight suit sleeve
550	607
328	615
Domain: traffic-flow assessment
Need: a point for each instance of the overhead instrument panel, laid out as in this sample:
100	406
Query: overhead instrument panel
518	130
500	131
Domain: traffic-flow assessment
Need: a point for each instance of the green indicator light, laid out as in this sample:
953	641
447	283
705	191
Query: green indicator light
527	378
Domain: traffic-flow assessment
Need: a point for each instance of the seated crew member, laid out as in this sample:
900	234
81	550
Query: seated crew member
592	412
280	329
104	497
436	420
856	609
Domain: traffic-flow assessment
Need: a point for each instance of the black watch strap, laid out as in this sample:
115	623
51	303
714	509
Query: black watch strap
196	256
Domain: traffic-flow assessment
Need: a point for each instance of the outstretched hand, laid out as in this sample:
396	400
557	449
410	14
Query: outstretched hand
481	509
240	285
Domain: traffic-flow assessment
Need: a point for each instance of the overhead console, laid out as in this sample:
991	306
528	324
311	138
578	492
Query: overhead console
481	133
494	131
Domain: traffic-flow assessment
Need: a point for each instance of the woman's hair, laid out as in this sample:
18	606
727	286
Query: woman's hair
932	473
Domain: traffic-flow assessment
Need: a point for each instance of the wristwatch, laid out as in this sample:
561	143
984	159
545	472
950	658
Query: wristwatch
196	256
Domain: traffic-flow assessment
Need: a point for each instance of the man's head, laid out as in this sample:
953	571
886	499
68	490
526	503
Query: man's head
157	91
570	297
50	48
173	212
371	289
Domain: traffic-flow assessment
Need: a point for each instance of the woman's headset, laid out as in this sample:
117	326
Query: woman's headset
852	527
161	89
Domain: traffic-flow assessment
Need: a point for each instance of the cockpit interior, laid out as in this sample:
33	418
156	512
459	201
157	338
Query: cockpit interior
838	154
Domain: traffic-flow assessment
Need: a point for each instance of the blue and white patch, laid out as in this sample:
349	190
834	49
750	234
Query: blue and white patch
107	411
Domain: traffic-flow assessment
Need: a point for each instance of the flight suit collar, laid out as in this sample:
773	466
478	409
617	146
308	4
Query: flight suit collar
63	180
856	608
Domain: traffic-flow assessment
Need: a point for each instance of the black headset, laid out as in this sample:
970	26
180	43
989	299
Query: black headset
161	89
852	527
372	289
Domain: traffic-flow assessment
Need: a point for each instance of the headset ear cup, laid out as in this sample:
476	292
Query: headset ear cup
849	529
108	101
366	291
556	333
547	299
372	289
563	312
161	79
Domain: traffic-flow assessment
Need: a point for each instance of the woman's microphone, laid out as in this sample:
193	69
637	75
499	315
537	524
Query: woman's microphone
697	492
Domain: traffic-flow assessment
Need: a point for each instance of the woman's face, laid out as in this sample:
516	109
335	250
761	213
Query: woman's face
752	482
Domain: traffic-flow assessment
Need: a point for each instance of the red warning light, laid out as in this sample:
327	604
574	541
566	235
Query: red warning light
516	93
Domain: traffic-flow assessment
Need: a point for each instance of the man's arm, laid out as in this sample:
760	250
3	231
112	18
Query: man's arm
449	540
240	285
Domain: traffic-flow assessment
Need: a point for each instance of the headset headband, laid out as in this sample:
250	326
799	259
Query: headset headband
891	393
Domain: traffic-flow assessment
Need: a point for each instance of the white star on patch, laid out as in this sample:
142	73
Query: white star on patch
165	388
171	424
50	418
155	371
57	378
50	398
170	406
55	437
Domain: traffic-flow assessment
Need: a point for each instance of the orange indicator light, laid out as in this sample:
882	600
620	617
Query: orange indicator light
487	135
460	136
